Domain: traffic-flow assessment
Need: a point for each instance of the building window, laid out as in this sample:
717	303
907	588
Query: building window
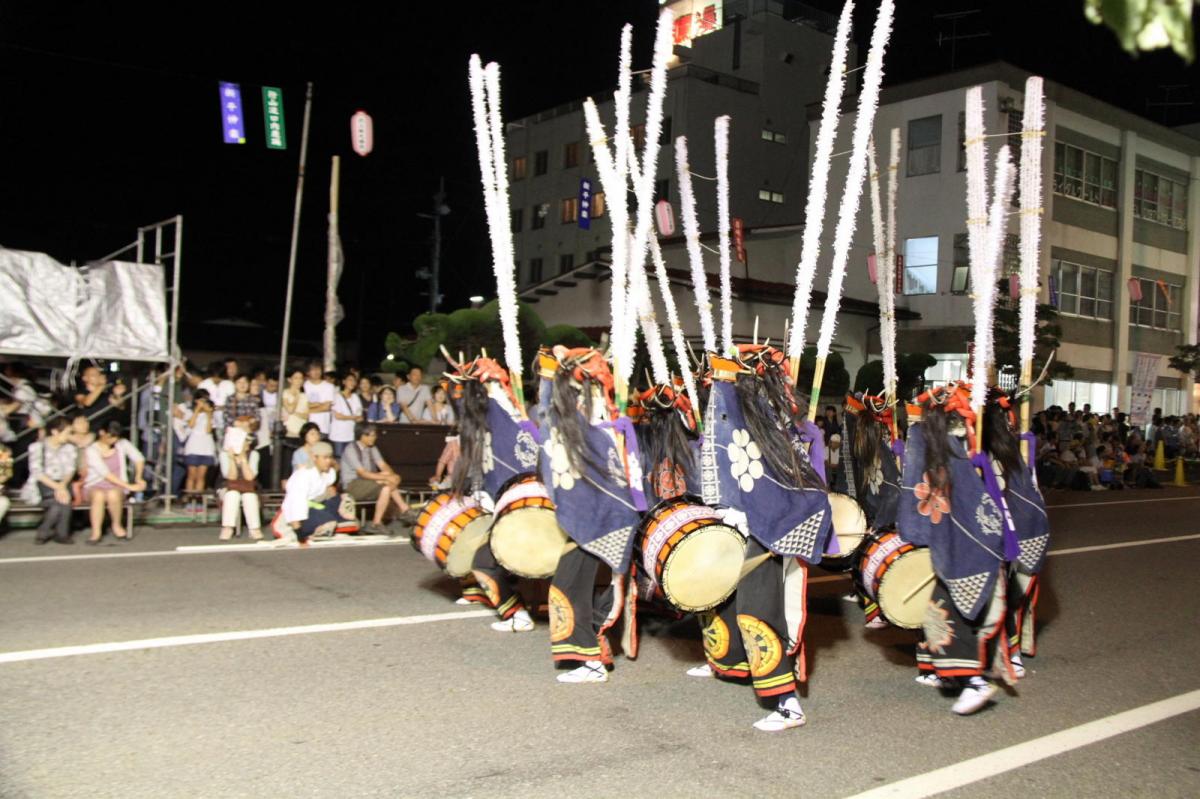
599	206
1159	199
535	270
1083	290
566	262
666	129
1085	176
570	154
537	217
518	216
960	281
638	134
774	136
520	165
541	162
1159	308
962	141
920	265
766	195
570	210
925	146
661	189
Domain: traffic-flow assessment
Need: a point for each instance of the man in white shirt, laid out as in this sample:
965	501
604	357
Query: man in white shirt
219	388
312	503
412	397
320	396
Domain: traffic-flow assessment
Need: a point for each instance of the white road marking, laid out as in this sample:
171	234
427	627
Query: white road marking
1123	545
1121	502
209	549
236	635
1014	757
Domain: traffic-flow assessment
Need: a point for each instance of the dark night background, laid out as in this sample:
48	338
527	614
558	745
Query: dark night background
110	120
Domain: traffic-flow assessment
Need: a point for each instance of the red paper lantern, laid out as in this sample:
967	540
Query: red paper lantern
664	218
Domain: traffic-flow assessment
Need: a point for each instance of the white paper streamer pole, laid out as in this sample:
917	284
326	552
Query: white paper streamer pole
887	327
818	189
864	122
886	273
721	140
677	339
983	276
506	284
691	234
1033	134
975	146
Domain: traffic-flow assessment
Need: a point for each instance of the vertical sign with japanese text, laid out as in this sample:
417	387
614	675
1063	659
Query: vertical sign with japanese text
585	204
273	118
231	113
1145	377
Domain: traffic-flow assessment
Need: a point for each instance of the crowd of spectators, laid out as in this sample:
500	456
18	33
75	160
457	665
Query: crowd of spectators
70	451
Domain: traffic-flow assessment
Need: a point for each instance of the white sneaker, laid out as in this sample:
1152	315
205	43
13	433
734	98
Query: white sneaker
850	597
520	622
462	600
877	623
1018	666
786	716
1099	488
591	671
973	698
931	680
703	670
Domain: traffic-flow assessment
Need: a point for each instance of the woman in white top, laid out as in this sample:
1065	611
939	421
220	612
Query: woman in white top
240	492
347	411
295	404
438	409
108	480
198	448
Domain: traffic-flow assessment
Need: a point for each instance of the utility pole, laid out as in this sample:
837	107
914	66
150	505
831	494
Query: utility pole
440	209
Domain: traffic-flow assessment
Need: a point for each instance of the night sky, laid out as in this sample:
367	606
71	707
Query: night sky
109	119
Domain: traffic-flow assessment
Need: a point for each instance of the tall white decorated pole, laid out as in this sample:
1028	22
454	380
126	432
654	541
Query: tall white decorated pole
886	273
721	147
818	190
864	121
1033	133
691	236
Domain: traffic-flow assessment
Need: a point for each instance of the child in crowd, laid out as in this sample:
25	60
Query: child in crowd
199	449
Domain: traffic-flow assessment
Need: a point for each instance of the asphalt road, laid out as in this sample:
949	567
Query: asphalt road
446	707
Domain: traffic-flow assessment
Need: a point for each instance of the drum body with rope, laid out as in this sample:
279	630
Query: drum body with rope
694	557
850	529
450	530
526	538
898	575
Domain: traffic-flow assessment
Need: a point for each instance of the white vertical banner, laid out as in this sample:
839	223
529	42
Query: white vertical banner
1145	375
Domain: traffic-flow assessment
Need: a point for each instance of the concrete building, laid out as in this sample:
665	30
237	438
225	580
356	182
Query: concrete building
1121	211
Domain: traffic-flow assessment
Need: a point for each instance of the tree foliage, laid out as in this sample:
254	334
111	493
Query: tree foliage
1187	360
834	384
910	375
1147	24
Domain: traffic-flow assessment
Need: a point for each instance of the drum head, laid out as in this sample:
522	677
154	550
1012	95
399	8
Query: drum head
849	525
703	569
468	542
528	542
906	588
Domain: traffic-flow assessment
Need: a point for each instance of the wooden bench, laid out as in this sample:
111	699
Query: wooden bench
18	508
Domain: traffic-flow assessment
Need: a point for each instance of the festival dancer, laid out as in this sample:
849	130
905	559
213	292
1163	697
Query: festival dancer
753	463
592	472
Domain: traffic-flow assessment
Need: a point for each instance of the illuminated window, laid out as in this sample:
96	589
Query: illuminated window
570	210
1085	176
537	218
1159	199
920	265
774	136
598	205
520	165
1083	290
1159	307
766	195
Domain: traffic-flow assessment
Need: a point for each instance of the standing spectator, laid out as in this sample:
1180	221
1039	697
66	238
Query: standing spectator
231	370
347	412
320	396
366	390
832	427
310	435
367	477
438	410
198	448
311	505
413	396
25	397
101	403
295	404
52	463
239	470
108	481
385	409
219	388
6	473
241	402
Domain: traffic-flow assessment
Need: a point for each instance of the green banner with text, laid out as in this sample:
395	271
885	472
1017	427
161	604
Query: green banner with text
273	118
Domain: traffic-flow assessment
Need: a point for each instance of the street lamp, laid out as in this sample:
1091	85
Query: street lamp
476	301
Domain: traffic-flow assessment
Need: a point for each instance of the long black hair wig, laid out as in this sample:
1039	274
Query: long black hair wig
566	408
1000	441
472	429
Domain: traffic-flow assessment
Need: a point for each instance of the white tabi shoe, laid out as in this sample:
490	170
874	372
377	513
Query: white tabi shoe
703	670
786	716
462	600
850	597
877	623
519	622
1018	666
974	697
591	671
930	680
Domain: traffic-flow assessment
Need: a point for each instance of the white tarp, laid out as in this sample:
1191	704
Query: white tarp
113	310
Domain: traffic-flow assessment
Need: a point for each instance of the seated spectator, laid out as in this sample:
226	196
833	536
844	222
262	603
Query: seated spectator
239	472
82	437
413	396
295	405
385	409
443	474
108	480
199	449
438	411
312	505
6	473
310	435
1089	467
367	477
347	412
52	464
